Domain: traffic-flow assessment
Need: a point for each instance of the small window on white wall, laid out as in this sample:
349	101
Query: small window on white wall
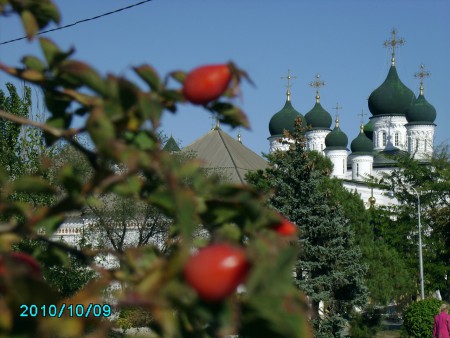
425	145
384	138
357	169
343	166
396	139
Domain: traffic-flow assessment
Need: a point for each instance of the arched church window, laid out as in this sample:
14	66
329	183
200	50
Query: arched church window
425	145
343	166
396	137
384	138
357	169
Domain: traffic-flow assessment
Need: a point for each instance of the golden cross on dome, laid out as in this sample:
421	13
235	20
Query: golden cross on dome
362	114
393	43
337	113
421	75
288	77
317	84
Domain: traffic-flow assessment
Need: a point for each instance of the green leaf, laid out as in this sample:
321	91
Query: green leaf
56	103
113	110
150	108
128	93
150	76
50	224
79	73
131	187
47	11
71	179
32	62
60	122
230	114
31	75
144	141
173	95
100	128
32	184
178	76
30	24
53	55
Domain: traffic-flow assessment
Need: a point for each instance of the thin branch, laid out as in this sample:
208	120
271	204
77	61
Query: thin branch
24	121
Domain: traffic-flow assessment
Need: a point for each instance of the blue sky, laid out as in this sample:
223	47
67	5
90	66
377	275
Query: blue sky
340	40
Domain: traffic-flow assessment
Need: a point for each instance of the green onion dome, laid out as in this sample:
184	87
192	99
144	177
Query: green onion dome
336	139
285	120
368	130
318	118
421	111
392	97
361	144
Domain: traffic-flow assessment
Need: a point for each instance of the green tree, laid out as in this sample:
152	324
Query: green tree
11	144
67	275
388	277
120	223
329	267
431	179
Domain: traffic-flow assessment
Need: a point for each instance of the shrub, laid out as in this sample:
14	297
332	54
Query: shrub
419	317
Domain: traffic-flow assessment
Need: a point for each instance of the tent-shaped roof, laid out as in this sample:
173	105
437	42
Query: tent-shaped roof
171	145
221	152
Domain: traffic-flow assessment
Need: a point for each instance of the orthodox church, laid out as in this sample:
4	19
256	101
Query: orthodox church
400	124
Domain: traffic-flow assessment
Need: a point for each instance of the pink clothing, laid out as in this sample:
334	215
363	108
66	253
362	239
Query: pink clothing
441	325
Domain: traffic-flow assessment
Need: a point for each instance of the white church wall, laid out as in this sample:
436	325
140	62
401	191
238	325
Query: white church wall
381	196
420	140
389	132
315	140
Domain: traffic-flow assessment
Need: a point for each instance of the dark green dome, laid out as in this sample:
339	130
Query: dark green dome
421	111
285	120
392	97
362	144
336	139
318	118
368	130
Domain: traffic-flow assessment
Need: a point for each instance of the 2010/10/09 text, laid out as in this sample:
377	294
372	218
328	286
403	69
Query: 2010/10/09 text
72	310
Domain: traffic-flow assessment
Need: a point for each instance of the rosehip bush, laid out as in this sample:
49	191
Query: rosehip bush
122	120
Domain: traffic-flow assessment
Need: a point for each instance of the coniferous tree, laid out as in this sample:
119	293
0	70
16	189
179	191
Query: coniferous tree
329	268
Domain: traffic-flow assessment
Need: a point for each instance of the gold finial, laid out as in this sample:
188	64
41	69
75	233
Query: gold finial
362	114
239	135
393	43
217	123
288	77
421	75
317	84
337	114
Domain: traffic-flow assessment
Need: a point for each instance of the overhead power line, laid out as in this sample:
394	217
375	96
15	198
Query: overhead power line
80	21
